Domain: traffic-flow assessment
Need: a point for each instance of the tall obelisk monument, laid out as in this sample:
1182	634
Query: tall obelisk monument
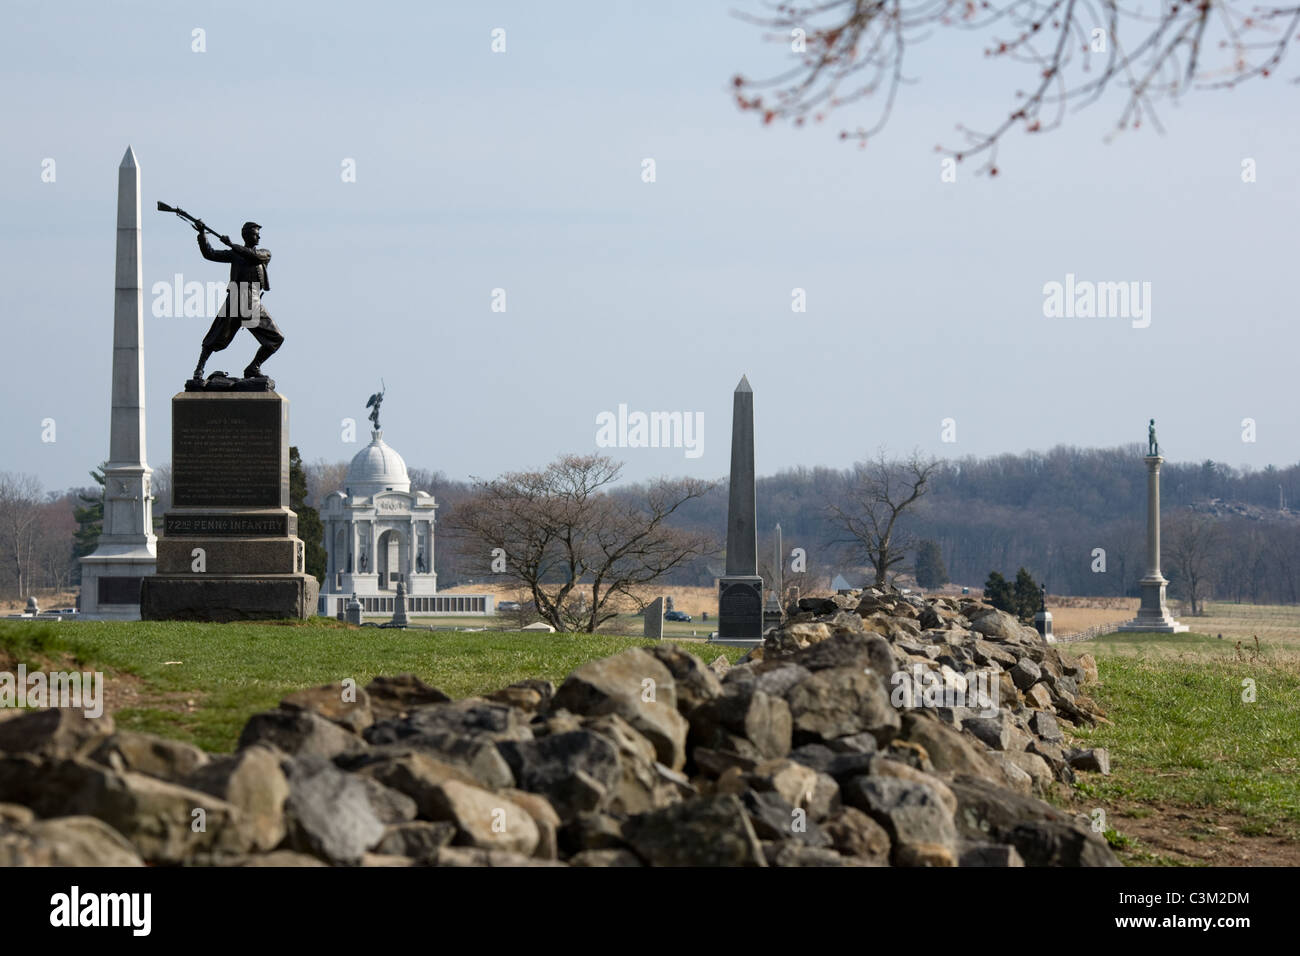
1153	614
127	552
740	591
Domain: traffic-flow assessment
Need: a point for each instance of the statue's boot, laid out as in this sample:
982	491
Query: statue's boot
203	360
255	367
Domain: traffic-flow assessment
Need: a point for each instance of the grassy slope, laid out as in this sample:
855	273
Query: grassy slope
1182	735
231	671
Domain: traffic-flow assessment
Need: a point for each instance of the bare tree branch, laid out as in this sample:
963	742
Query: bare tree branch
851	50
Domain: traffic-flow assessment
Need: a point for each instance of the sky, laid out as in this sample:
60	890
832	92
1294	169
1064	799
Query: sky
522	171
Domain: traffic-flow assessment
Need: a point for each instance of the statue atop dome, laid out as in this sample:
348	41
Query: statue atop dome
373	404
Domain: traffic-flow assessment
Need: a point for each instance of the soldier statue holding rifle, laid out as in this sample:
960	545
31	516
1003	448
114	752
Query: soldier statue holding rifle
243	305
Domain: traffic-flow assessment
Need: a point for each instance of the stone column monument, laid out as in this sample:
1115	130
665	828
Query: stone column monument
740	590
1153	614
111	576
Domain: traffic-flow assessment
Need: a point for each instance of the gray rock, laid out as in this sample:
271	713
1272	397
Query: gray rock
591	831
911	812
642	783
990	854
707	831
253	781
473	717
1026	673
694	683
389	805
329	813
55	732
840	766
413	775
743	710
1096	759
617	685
395	696
849	650
800	855
418	839
349	707
853	833
144	753
993	732
299	733
839	701
1056	843
774	819
1044	726
65	841
478	757
157	817
485	820
576	771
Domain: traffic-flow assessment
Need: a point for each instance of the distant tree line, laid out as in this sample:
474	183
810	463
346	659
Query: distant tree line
1073	518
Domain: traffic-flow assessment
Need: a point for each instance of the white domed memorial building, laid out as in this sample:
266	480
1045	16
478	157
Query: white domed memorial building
379	533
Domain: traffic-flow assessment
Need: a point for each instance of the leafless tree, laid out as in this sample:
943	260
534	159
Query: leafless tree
846	51
160	486
579	550
878	493
20	513
323	479
1193	542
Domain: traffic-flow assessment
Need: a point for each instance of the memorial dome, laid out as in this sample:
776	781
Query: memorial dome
376	468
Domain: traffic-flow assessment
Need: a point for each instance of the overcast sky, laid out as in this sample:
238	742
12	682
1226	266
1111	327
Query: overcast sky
522	171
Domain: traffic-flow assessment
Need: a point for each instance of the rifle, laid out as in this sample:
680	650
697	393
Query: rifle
198	224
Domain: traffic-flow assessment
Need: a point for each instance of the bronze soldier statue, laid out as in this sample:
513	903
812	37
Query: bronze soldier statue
243	305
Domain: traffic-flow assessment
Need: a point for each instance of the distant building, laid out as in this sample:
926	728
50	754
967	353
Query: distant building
378	533
841	583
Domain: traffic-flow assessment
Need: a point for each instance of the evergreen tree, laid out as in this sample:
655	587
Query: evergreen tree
1028	597
90	524
930	572
310	528
998	592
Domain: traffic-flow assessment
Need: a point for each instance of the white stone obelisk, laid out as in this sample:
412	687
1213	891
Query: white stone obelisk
1153	614
127	551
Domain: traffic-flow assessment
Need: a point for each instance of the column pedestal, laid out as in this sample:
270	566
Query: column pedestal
230	549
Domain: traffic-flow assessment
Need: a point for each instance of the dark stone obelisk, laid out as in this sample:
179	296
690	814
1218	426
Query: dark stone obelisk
740	591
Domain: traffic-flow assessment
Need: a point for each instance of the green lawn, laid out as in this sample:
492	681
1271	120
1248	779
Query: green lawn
1182	734
231	671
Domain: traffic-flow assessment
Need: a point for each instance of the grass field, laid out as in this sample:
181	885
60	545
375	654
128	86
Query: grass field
201	682
1200	773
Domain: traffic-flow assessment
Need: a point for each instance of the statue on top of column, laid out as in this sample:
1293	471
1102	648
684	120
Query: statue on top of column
1153	447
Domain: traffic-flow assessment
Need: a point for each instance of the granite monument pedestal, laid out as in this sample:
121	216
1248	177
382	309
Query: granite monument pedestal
230	549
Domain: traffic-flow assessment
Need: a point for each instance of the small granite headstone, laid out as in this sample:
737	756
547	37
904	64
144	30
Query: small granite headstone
653	618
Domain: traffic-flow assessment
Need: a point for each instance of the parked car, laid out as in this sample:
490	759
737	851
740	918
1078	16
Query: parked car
676	616
508	606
